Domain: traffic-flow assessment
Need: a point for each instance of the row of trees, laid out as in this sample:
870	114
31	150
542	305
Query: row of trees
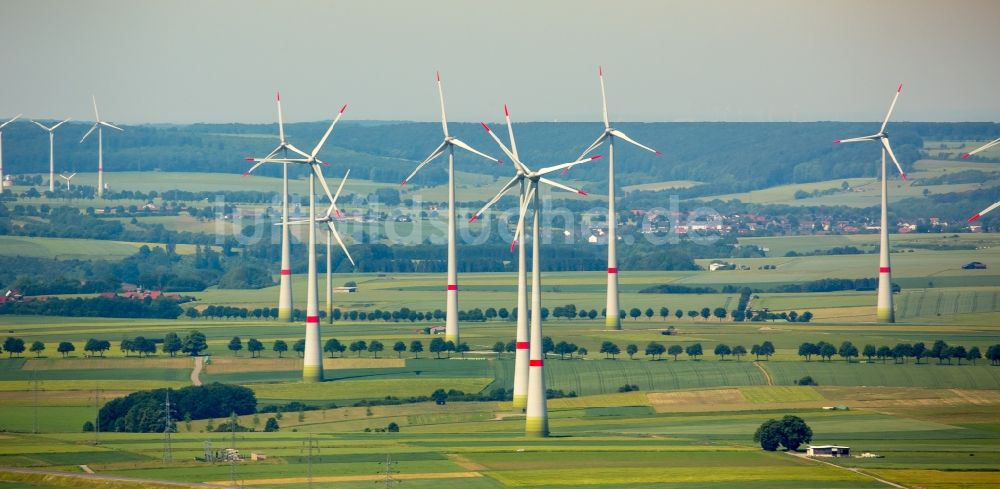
940	350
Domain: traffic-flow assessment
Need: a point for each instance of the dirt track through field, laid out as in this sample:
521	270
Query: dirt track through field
767	376
355	478
199	363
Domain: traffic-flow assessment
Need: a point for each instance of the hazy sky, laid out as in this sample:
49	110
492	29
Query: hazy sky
217	61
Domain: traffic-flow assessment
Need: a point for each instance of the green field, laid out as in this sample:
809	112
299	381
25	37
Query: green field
74	249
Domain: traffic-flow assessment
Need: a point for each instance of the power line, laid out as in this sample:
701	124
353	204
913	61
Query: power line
387	472
309	446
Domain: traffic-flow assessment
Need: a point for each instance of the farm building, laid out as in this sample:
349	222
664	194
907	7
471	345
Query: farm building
347	289
828	451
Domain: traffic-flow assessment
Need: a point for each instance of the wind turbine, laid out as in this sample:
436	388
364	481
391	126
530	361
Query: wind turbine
52	158
99	125
285	282
449	144
16	117
610	134
970	153
312	365
884	311
331	234
67	178
529	383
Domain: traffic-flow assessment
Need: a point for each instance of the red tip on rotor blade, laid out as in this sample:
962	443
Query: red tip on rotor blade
565	170
338	213
904	176
485	126
473	219
595	157
247	174
342	109
505	111
403	184
248	158
600	70
973	218
513	244
438	75
581	192
499	162
278	96
836	142
900	89
966	155
659	153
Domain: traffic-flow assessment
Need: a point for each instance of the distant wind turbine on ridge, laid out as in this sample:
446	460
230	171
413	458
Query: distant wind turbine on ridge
610	134
449	144
16	117
52	159
884	311
99	125
68	179
536	414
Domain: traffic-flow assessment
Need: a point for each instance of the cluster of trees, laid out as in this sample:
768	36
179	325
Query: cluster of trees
790	432
940	350
144	411
193	343
437	346
117	307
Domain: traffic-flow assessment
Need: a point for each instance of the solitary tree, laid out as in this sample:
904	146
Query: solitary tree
678	314
722	350
808	350
826	350
437	346
299	347
664	312
37	347
767	349
720	313
692	314
254	346
739	351
694	351
358	347
958	353
790	431
13	346
375	346
415	348
172	344
235	345
973	354
498	348
462	348
655	350
194	343
869	351
631	349
635	313
332	346
608	348
675	350
66	347
399	347
705	313
847	350
279	347
883	352
649	313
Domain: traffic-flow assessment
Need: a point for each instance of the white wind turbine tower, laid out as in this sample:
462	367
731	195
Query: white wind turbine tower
884	311
285	281
52	158
970	153
16	117
331	235
68	179
99	125
533	391
312	365
449	144
610	134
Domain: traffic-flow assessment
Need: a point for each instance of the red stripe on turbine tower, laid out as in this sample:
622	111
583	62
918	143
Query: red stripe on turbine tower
535	363
883	269
452	287
522	345
312	319
286	272
612	270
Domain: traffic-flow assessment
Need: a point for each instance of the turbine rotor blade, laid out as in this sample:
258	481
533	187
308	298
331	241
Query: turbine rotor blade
561	186
604	98
597	142
982	148
319	145
97	116
503	147
984	211
434	154
59	124
16	117
281	121
856	140
503	190
526	201
510	133
891	107
336	235
460	144
296	150
444	118
564	166
49	129
885	144
88	132
618	134
112	126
